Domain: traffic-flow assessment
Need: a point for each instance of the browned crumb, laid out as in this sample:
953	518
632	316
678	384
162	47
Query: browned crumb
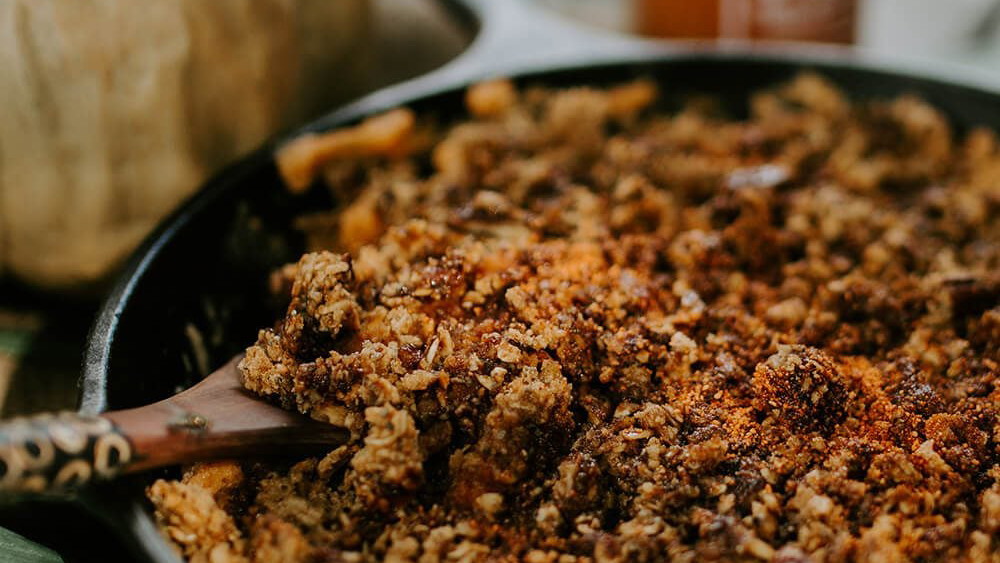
224	480
390	463
803	384
189	516
594	332
491	98
301	159
277	541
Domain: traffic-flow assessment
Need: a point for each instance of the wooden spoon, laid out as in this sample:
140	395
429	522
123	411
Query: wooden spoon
217	418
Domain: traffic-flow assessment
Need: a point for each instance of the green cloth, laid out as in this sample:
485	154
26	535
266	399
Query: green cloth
14	341
18	549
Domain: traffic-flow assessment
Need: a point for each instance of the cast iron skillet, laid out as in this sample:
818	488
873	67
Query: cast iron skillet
200	281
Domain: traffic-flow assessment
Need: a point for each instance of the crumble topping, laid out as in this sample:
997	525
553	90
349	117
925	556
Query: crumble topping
576	328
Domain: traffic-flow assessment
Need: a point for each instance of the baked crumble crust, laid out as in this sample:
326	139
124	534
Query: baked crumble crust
573	328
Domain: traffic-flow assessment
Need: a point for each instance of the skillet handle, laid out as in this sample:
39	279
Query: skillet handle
515	37
54	452
519	35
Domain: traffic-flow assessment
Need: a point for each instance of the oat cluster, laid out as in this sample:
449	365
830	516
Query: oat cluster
574	327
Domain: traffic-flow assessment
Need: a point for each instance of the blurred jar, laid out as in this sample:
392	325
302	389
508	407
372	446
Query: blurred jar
828	21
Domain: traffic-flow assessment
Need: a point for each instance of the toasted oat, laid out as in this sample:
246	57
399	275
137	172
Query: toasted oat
301	160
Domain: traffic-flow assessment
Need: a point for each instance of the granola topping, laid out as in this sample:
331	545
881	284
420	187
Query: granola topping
577	328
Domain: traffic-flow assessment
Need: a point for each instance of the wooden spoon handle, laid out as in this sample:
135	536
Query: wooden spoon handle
56	451
217	418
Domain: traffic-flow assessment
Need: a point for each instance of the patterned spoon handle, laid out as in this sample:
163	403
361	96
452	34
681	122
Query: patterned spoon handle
215	419
58	451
